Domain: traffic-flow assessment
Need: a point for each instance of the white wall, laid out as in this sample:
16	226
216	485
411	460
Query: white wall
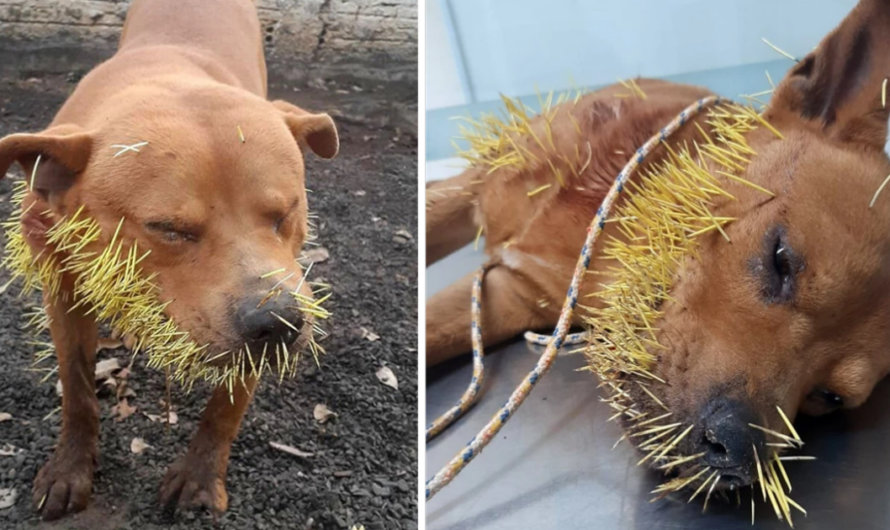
511	46
443	82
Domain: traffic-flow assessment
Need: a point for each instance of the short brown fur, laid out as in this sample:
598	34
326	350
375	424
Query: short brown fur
217	211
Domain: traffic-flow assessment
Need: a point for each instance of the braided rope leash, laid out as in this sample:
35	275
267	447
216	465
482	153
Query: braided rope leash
472	392
572	339
468	398
478	443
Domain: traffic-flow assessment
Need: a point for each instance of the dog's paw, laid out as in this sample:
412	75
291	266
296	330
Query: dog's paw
194	483
63	485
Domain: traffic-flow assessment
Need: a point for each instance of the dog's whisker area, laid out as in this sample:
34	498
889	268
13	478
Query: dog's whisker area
273	273
710	491
703	485
283	280
788	439
789	425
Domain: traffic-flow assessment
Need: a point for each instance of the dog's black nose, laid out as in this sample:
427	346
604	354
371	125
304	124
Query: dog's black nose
728	440
269	322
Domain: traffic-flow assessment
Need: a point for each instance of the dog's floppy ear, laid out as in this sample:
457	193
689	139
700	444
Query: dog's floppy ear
317	131
64	152
837	88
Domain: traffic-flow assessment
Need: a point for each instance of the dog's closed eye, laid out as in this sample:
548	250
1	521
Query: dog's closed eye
781	266
172	232
778	267
280	222
282	218
825	399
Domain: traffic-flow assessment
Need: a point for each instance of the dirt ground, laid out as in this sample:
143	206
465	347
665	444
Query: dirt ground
363	468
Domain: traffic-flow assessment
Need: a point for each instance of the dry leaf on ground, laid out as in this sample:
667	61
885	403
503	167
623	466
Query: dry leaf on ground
370	335
322	413
111	383
124	391
122	410
109	343
290	450
174	418
138	445
314	255
10	450
106	367
386	376
8	497
5	416
104	371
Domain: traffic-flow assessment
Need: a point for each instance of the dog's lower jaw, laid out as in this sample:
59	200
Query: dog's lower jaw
198	479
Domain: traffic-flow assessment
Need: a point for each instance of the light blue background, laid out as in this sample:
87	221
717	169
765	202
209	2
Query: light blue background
477	49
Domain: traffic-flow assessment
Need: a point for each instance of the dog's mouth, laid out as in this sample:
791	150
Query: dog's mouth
719	438
256	358
720	449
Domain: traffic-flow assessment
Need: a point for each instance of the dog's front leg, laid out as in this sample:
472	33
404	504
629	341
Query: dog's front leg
198	479
64	483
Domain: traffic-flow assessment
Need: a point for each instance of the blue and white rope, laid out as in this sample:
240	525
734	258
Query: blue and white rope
469	396
572	339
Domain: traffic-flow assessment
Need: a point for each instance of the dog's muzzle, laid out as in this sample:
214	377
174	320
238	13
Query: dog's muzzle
727	440
268	323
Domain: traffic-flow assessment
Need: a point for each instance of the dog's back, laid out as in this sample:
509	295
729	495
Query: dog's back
170	45
224	31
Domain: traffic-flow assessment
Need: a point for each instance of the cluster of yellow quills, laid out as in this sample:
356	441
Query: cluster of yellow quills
503	141
665	211
509	140
113	286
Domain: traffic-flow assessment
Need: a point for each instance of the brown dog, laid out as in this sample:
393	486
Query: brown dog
217	195
793	312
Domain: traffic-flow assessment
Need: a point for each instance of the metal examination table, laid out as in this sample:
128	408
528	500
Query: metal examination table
553	467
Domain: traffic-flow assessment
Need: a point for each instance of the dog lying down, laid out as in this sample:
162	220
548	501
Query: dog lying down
167	197
744	278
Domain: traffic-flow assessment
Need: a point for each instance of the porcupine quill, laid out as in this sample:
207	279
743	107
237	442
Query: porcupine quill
667	208
110	282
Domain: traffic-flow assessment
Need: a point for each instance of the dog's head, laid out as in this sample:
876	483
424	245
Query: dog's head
793	312
210	181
